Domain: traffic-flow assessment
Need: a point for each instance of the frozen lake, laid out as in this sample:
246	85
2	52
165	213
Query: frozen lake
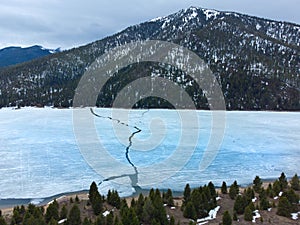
40	155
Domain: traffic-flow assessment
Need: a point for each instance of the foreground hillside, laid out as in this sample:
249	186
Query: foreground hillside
262	203
255	60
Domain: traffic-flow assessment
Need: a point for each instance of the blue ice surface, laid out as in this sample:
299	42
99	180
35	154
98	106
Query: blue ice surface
40	156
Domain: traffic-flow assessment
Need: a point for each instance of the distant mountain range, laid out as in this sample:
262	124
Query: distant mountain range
257	62
14	55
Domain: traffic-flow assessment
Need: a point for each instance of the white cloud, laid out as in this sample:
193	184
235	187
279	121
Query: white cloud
67	23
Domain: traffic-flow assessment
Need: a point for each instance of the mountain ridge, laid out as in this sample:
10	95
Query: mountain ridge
13	55
242	51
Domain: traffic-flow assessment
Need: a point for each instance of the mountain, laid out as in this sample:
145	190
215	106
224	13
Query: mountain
14	55
257	62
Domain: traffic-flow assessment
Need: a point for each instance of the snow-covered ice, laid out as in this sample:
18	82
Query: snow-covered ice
39	155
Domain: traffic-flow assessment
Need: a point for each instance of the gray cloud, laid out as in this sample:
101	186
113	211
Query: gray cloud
66	24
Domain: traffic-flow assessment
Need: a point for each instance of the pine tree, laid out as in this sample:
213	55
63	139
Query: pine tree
227	218
74	216
292	197
151	194
235	218
269	191
186	194
295	184
93	192
100	220
117	221
159	210
168	198
283	181
248	214
239	204
251	206
110	218
148	210
139	206
95	199
76	199
264	203
189	211
52	211
224	188
114	199
257	184
212	190
172	220
52	222
129	217
63	213
86	221
249	194
2	221
284	207
276	187
233	190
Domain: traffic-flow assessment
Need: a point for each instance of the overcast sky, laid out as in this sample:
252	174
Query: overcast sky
70	23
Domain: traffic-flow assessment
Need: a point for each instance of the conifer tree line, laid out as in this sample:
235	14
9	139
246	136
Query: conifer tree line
244	206
152	208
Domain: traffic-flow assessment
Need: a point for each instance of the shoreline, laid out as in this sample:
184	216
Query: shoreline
9	203
228	110
12	202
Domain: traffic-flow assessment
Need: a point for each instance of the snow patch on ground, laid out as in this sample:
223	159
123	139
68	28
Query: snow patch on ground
295	216
256	216
211	216
106	213
202	223
62	221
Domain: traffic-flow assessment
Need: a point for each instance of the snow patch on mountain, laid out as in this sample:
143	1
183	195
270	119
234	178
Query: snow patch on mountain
210	13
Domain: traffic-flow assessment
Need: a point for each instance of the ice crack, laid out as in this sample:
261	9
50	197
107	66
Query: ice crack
133	177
